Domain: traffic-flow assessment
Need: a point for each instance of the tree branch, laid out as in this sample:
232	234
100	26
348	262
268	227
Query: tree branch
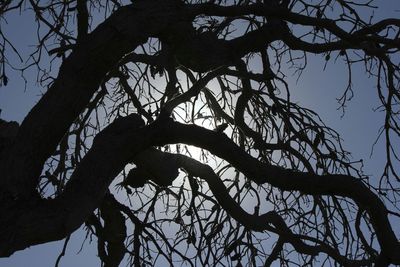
126	137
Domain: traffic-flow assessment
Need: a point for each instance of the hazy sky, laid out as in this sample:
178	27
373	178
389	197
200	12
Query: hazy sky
316	89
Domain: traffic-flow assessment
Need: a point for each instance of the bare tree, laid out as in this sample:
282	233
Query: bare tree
110	143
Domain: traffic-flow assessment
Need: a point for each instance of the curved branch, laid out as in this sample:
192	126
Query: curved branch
289	180
79	77
126	137
270	221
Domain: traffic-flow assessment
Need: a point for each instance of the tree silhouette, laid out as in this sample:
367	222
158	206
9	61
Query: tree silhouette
110	143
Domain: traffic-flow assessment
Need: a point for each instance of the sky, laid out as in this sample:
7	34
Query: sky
317	89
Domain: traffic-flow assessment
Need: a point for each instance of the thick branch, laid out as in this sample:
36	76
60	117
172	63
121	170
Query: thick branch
122	140
270	221
289	180
79	77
